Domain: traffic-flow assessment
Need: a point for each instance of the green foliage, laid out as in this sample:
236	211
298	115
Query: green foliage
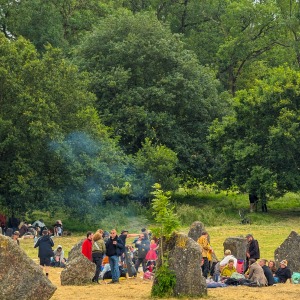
149	86
188	214
164	216
165	281
50	134
154	164
61	23
257	147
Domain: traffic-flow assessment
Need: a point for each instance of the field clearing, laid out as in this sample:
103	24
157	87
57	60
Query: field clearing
269	237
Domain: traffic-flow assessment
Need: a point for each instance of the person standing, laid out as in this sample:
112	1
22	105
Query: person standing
98	250
205	248
45	244
252	249
86	248
143	246
114	248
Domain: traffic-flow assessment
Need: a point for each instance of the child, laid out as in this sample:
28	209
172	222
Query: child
152	255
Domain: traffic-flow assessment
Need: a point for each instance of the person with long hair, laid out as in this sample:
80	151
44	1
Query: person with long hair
98	250
272	266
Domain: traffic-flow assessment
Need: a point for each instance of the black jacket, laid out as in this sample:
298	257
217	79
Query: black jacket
45	244
254	249
268	275
143	247
112	249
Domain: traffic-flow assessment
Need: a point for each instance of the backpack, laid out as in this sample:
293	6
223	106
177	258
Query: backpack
296	278
232	281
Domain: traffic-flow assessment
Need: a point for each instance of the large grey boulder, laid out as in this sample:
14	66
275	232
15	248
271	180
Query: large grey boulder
75	251
289	250
21	278
196	230
237	246
78	271
184	258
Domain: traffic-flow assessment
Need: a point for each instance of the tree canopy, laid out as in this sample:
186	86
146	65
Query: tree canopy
148	85
257	146
100	98
44	103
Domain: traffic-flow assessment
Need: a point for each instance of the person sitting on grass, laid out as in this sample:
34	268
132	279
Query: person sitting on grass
283	273
256	273
229	269
227	257
272	266
58	259
16	237
268	273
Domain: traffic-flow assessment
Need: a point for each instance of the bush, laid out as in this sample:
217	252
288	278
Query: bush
165	281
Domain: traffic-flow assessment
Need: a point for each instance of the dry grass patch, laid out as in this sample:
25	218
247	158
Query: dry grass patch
269	239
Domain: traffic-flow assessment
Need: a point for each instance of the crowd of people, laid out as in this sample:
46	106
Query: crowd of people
112	253
255	271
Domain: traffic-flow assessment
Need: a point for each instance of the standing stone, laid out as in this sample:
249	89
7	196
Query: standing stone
21	278
75	251
9	232
196	230
237	246
78	271
184	256
289	250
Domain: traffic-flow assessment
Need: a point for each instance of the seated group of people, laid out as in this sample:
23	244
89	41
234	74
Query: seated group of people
258	272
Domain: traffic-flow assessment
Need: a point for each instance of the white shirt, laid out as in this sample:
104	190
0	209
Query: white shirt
226	259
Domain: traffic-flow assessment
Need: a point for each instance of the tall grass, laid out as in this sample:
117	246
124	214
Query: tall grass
197	204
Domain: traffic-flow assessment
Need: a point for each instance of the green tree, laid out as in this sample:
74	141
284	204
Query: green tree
256	148
61	23
154	164
167	223
44	100
148	85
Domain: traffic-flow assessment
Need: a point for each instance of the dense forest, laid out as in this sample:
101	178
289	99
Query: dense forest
100	99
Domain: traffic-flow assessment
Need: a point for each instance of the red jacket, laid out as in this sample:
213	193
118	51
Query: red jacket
86	249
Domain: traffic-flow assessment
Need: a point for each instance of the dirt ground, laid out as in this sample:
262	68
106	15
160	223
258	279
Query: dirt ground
137	288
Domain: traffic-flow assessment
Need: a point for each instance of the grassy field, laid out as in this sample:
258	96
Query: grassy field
270	236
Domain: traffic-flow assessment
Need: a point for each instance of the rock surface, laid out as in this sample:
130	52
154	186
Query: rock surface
196	230
21	278
289	250
75	251
184	260
78	271
237	246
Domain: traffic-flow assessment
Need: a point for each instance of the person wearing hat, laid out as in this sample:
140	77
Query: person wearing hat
16	236
227	257
283	273
123	236
252	249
